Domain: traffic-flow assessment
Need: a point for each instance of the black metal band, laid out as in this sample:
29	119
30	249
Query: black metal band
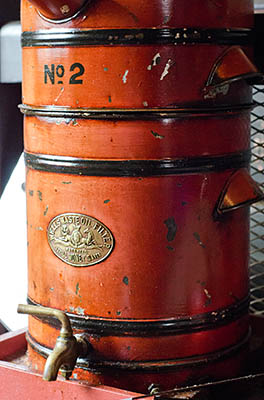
146	36
136	168
197	323
153	366
133	114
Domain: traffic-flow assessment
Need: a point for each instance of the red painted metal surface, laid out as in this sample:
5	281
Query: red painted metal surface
19	381
121	139
127	13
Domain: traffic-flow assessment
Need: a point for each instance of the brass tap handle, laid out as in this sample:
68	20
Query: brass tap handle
68	347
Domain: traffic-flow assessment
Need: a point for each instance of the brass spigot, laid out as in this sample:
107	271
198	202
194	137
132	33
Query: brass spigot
68	347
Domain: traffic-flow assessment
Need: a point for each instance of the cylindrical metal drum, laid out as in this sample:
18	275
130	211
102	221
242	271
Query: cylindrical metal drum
137	128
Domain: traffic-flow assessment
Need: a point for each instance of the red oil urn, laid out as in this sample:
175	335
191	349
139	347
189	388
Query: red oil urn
137	130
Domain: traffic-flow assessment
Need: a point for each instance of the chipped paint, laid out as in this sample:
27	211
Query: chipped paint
155	61
40	195
74	122
66	182
126	280
105	69
80	311
106	201
124	78
213	92
172	228
157	135
118	312
209	298
31	193
166	69
110	99
72	309
39	228
46	211
197	237
52	289
170	248
77	288
65	9
145	103
184	203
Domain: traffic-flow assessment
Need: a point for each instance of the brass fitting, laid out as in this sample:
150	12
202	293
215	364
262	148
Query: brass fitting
68	347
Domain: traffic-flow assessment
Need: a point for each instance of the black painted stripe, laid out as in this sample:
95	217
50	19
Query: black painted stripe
137	168
133	114
197	323
146	36
154	366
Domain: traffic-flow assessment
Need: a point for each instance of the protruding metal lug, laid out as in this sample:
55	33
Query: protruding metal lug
58	10
233	65
240	191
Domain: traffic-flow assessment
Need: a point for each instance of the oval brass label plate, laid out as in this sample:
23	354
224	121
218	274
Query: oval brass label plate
79	240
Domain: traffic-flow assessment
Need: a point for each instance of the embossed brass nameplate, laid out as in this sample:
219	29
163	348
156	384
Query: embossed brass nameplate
79	240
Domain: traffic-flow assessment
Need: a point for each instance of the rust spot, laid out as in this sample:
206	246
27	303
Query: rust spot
197	237
172	228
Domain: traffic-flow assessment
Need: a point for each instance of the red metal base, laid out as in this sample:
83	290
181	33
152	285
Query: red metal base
19	382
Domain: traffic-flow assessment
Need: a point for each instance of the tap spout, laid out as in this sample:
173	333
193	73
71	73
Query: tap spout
68	346
63	358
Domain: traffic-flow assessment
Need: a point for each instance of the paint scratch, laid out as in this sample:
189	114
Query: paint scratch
59	95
